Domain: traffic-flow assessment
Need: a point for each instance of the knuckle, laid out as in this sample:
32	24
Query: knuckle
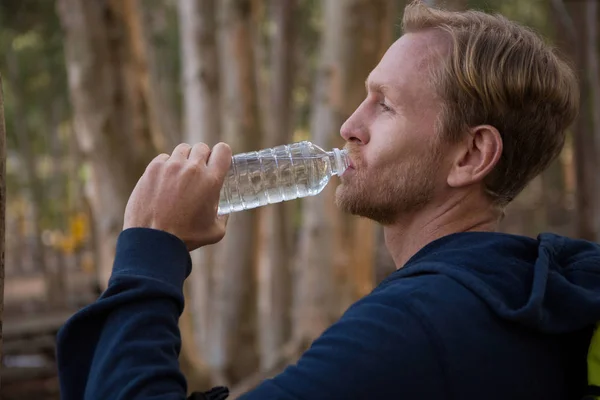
173	167
161	158
154	166
192	169
214	181
203	146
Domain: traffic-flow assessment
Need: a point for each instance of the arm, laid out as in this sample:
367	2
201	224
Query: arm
126	344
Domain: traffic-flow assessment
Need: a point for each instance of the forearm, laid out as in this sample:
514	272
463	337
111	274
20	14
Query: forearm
126	344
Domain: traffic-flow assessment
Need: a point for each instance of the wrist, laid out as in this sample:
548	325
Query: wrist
152	252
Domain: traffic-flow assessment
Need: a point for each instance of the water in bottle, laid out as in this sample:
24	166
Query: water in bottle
279	174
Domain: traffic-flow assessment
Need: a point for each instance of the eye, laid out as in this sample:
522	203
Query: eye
385	107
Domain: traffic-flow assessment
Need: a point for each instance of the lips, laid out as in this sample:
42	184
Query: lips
350	170
351	163
353	153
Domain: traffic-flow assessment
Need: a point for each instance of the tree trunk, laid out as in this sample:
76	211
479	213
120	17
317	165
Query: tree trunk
233	326
34	183
592	66
313	274
2	208
58	184
110	120
200	73
151	29
201	116
192	364
273	263
369	29
353	41
572	19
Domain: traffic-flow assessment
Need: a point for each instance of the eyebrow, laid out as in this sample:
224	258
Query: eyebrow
376	87
383	89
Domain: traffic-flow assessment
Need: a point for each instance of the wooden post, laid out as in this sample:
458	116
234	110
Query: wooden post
2	207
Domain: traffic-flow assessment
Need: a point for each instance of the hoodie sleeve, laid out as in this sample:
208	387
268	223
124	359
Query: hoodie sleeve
126	344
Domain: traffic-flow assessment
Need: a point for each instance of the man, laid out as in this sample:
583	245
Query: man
460	114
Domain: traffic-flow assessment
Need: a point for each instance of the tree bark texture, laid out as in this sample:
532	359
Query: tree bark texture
2	208
274	286
202	123
232	336
110	115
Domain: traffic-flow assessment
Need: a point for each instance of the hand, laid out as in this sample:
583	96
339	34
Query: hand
179	194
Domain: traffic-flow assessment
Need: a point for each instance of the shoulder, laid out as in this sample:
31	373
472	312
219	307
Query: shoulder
432	305
409	292
382	344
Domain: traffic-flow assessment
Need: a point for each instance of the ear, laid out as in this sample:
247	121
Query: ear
476	156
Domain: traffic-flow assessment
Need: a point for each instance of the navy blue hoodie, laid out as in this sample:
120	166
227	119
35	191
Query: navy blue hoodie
470	316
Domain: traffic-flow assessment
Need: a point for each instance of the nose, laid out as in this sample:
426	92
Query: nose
354	129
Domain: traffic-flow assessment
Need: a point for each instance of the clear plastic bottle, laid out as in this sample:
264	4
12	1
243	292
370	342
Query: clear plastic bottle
279	174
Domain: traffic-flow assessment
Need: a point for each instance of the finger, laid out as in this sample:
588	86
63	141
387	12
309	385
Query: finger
155	163
220	160
200	153
181	152
161	158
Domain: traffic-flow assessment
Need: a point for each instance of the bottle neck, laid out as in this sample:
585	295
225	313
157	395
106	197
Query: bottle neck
339	161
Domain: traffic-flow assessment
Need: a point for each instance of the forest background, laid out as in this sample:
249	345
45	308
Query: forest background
93	90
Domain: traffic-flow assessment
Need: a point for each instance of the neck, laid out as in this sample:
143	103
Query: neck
409	234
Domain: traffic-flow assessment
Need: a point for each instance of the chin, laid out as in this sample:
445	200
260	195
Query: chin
360	205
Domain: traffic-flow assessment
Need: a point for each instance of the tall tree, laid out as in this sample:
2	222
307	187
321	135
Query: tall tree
111	127
34	184
593	80
336	252
2	208
202	123
273	266
232	335
572	19
370	30
150	27
313	275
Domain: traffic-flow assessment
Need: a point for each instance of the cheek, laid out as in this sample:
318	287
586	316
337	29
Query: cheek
387	138
390	149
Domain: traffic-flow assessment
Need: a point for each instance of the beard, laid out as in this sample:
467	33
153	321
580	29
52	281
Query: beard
387	193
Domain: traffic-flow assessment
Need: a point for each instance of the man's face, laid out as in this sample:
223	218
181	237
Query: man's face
397	162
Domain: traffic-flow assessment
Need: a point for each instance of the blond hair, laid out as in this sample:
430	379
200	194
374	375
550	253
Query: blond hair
502	74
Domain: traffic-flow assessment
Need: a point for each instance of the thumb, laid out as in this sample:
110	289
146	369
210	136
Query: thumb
223	219
221	223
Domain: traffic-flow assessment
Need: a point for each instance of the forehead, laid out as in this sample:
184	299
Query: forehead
407	63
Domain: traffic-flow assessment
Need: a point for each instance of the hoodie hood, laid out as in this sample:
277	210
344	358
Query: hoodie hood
550	284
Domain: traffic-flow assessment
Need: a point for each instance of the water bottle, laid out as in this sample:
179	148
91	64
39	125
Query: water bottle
279	174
